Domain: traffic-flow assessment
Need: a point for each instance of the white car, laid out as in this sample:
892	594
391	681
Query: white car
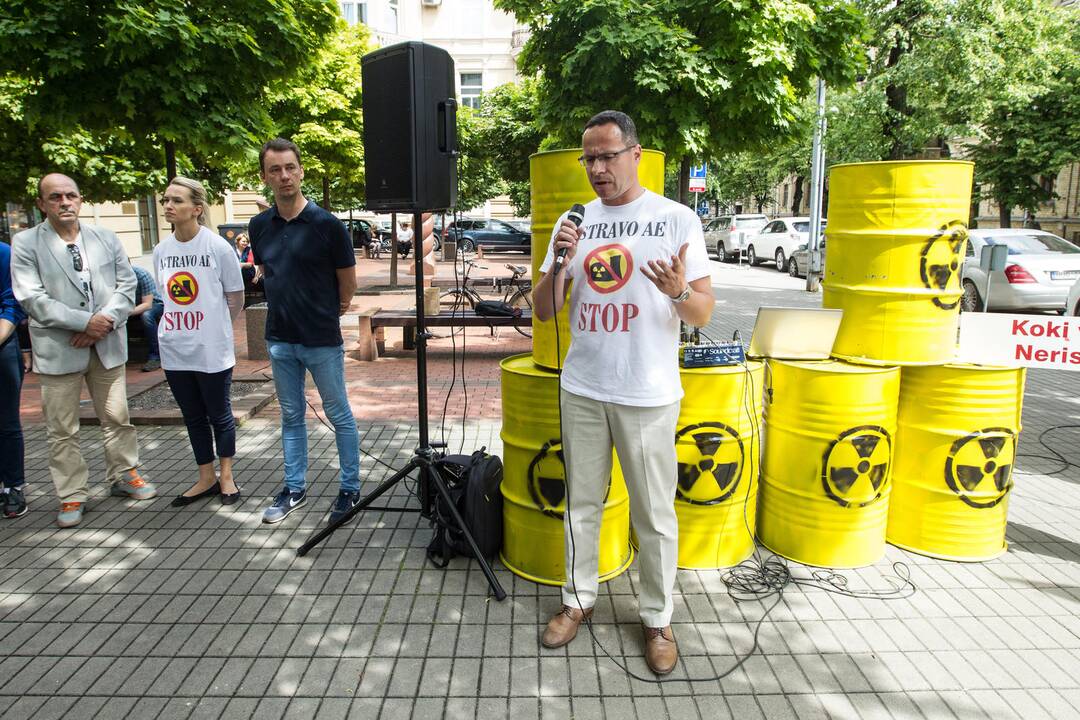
1072	305
1040	269
799	262
778	240
725	237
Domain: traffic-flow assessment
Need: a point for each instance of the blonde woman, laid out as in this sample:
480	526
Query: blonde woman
200	280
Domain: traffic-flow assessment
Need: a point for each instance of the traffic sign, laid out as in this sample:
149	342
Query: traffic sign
699	171
697	184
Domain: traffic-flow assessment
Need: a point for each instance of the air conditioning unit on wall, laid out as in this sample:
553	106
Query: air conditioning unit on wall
431	3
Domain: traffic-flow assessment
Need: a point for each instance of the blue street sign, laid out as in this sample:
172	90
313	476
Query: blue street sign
698	171
703	209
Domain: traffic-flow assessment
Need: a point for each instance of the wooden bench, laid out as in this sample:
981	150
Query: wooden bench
373	321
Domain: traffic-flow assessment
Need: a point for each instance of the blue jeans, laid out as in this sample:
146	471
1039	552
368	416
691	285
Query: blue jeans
150	320
327	368
11	435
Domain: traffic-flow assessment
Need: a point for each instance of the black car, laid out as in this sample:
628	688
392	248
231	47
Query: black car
471	233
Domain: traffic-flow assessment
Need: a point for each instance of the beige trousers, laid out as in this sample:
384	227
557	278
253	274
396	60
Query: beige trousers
60	401
644	438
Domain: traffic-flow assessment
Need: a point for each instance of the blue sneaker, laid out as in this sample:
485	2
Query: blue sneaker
345	502
285	502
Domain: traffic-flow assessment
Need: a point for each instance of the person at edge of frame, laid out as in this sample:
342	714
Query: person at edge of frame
636	266
148	308
75	283
305	259
199	275
12	449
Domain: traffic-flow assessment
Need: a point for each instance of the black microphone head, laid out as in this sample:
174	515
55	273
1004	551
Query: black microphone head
576	214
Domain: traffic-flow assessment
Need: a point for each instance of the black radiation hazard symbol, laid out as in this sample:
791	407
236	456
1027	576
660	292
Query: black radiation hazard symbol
608	268
857	465
710	463
979	466
940	259
547	480
182	288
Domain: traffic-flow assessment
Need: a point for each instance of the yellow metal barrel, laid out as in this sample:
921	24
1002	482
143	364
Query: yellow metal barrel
534	482
829	434
956	438
718	445
896	239
557	181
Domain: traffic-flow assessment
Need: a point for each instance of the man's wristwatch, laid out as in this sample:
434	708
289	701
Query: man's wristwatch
683	296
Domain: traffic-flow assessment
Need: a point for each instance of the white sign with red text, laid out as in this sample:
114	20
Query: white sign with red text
1037	341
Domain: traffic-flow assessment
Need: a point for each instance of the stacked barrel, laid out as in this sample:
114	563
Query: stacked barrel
890	441
533	488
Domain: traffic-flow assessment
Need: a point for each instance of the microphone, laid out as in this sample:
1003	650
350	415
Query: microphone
576	215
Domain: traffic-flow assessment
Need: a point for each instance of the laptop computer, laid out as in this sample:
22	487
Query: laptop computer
794	333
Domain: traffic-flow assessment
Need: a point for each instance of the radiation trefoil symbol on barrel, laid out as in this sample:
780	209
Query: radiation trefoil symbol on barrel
940	258
547	480
979	466
857	465
710	463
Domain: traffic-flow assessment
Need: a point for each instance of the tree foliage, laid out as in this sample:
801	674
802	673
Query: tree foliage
174	75
700	77
508	132
321	110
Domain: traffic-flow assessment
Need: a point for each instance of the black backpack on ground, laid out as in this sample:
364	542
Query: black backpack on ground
474	484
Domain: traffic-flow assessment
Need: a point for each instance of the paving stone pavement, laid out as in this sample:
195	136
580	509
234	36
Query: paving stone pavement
149	611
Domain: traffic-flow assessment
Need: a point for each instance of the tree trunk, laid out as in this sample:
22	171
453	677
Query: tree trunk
1004	214
973	211
684	180
170	159
796	199
393	252
896	98
326	193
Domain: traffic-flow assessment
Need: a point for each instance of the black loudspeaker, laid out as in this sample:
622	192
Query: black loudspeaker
410	128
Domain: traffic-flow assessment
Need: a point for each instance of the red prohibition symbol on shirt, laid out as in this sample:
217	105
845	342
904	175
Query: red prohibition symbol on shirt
182	288
608	268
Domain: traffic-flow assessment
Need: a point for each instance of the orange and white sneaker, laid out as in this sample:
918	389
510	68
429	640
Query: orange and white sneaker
70	514
133	485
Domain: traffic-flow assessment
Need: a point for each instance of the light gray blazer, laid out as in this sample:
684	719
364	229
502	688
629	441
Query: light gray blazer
51	293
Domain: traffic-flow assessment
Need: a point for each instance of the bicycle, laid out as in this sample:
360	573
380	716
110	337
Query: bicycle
517	292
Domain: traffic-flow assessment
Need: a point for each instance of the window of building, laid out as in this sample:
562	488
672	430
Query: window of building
471	86
392	17
354	12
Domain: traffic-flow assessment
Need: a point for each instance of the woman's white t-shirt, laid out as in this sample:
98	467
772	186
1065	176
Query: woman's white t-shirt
195	331
625	331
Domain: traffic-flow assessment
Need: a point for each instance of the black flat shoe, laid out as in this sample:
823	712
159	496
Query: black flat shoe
182	500
231	498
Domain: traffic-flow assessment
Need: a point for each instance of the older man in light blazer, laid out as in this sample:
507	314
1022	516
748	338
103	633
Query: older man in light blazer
75	283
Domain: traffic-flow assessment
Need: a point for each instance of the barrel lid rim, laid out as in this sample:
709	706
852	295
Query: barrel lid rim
651	151
751	364
841	365
507	363
883	163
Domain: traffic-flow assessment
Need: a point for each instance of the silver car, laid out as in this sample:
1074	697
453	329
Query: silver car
725	237
1040	269
799	262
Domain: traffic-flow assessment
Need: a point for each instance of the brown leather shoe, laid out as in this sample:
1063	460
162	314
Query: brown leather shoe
661	652
563	627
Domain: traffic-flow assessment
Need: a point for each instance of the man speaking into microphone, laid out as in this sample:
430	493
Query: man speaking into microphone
636	264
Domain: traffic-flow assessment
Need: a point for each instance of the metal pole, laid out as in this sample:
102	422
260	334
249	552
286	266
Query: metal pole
817	181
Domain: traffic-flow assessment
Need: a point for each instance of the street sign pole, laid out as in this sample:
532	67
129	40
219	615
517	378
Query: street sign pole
817	182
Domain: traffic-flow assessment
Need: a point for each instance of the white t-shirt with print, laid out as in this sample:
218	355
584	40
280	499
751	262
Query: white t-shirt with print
195	331
624	330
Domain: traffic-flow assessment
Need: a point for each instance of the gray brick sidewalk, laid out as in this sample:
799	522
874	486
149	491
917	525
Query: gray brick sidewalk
149	611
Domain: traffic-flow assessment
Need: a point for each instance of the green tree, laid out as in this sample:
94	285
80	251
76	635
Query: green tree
479	179
178	75
508	132
700	78
320	109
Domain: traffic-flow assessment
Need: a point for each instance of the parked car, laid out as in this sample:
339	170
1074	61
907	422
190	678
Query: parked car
725	237
1040	269
1072	305
469	233
778	240
799	262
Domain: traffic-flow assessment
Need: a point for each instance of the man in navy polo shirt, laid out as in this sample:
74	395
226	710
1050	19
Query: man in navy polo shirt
305	258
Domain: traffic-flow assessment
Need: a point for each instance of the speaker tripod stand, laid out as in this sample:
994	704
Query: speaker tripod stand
425	461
